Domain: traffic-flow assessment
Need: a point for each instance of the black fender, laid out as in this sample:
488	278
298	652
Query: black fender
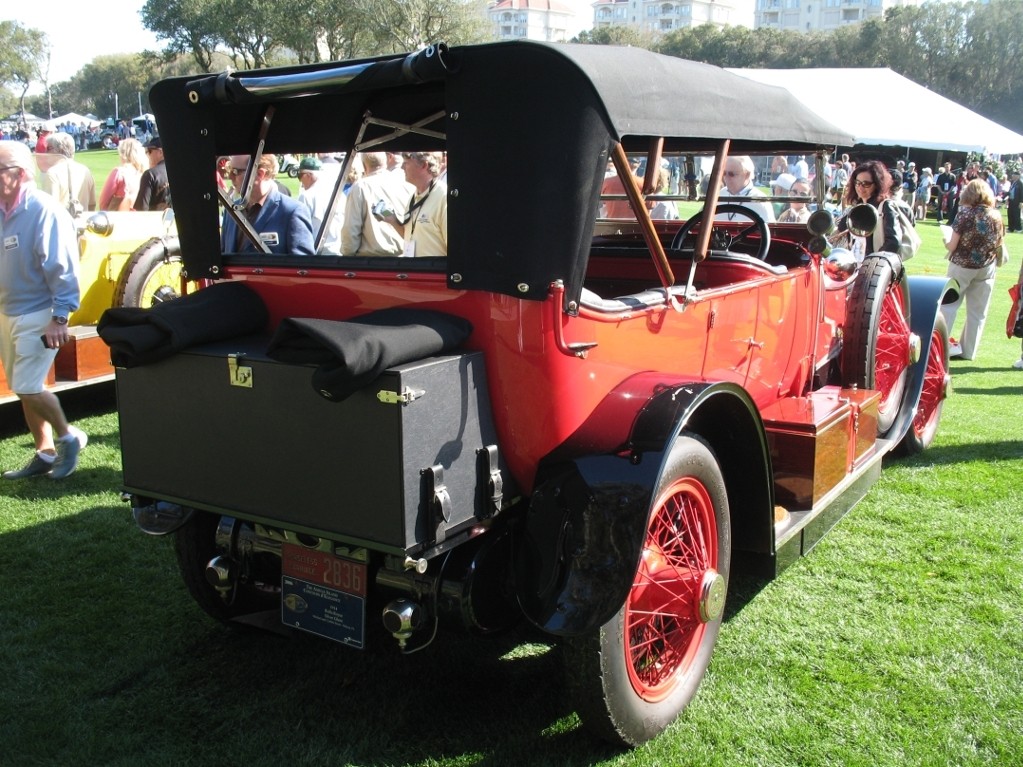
577	551
925	294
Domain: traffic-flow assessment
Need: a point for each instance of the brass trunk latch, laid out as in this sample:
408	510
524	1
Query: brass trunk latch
404	397
239	374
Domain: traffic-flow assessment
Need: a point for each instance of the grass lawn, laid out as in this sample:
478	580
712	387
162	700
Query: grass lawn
102	161
898	641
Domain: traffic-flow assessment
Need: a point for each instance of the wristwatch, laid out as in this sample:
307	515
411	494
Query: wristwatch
60	320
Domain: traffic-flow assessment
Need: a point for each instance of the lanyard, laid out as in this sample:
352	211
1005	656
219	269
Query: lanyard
416	205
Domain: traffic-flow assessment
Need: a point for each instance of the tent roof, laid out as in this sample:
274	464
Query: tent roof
913	116
70	117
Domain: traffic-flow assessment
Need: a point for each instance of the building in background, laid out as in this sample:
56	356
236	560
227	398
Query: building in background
662	16
815	15
554	21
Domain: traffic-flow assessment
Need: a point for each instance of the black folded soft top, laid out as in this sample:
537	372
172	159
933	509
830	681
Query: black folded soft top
527	127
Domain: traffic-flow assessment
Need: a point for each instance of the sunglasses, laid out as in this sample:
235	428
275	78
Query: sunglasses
864	183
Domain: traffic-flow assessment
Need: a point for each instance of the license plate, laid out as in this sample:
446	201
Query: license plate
323	594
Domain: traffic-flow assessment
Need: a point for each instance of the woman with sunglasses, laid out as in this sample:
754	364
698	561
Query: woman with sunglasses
871	183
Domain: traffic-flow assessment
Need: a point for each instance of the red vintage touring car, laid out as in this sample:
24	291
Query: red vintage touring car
582	422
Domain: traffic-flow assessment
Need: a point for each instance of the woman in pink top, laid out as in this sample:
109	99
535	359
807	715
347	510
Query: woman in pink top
122	185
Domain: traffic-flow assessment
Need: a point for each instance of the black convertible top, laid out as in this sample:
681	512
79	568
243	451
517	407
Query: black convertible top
527	127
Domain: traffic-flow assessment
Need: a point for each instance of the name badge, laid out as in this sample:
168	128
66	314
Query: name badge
10	243
270	238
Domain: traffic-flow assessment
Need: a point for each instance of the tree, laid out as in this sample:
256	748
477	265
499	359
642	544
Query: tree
24	57
326	30
616	35
124	75
189	26
408	25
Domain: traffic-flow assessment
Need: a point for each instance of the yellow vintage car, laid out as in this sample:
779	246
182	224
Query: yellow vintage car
125	259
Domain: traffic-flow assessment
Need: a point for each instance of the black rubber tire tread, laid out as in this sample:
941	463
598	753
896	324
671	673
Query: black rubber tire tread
859	347
194	547
914	443
595	664
147	257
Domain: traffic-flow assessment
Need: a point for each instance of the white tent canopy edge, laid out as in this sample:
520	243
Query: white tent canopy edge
891	110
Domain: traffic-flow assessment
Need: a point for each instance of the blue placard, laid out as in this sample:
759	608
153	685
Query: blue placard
325	612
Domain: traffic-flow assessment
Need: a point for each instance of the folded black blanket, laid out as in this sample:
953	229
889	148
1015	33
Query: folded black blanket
140	336
351	354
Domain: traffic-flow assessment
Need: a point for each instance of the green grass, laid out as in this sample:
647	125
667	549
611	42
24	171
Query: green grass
102	161
897	641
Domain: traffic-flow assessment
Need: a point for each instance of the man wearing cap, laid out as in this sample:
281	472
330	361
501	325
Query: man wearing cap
38	290
909	181
154	189
1014	199
315	194
369	200
923	194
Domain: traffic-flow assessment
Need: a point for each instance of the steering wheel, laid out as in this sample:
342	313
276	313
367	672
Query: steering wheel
721	239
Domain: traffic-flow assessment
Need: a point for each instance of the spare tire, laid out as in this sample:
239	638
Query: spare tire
875	349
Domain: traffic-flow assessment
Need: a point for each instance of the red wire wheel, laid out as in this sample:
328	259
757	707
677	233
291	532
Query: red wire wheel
676	591
932	396
875	349
633	676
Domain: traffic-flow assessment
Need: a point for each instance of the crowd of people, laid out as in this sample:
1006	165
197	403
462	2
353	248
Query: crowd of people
86	135
968	199
390	204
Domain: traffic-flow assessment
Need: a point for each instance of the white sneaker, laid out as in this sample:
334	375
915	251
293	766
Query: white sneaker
955	349
1018	364
81	436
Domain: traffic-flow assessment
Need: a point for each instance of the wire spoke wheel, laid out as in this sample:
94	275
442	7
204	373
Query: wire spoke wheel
152	275
932	395
875	350
632	677
663	613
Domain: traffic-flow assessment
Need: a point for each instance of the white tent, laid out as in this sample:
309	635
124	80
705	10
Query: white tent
880	107
70	117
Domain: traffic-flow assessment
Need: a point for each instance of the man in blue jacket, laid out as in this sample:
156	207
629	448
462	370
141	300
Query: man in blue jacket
284	225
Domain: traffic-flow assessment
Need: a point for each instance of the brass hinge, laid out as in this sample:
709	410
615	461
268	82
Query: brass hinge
239	374
403	397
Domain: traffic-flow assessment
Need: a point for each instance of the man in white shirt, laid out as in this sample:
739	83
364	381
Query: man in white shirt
738	176
64	177
379	191
315	194
425	231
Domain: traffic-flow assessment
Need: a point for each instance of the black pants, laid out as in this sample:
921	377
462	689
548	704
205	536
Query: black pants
1015	225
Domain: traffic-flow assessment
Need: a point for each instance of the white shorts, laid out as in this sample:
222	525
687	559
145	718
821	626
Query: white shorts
25	359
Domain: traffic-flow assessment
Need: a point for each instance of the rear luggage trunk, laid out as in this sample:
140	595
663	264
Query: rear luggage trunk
398	466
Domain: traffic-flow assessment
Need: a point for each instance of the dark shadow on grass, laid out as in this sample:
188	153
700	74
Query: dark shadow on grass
965	453
132	667
995	391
